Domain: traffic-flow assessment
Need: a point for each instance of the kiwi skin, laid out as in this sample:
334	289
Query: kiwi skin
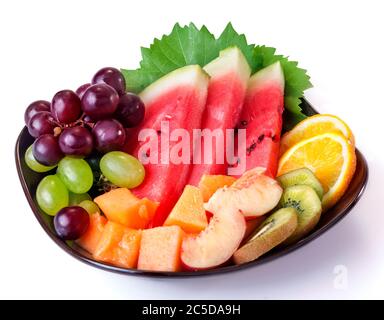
301	176
283	223
308	208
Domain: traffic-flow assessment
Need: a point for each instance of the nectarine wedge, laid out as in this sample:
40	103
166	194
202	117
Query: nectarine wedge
217	243
254	194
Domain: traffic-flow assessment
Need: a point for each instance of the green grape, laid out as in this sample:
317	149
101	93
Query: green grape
46	217
89	206
75	198
76	174
32	162
51	195
122	169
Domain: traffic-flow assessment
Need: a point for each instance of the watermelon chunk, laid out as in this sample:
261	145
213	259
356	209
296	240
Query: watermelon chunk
179	99
261	116
229	73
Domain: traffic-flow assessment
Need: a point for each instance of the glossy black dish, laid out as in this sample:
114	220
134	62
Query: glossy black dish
29	181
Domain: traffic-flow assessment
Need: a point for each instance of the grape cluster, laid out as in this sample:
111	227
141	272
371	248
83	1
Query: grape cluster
81	133
92	118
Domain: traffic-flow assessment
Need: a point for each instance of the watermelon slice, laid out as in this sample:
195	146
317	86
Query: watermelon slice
261	116
178	99
229	73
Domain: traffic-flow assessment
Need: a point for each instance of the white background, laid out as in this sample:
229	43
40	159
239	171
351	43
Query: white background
50	45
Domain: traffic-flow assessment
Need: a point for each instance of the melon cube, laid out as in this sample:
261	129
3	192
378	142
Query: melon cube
92	236
209	184
118	245
121	206
189	213
160	249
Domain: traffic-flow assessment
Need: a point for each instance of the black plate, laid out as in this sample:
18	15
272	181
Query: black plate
29	181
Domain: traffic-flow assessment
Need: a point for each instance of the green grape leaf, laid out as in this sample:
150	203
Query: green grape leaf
229	37
183	46
189	45
296	79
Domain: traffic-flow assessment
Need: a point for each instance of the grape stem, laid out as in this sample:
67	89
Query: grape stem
104	185
80	122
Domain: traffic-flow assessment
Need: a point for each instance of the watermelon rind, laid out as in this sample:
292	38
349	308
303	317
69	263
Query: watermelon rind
229	59
192	75
271	74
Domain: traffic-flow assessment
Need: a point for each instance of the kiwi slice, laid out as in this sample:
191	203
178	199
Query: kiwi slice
273	231
301	176
308	206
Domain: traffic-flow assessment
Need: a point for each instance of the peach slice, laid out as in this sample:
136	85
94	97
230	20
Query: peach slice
254	194
217	243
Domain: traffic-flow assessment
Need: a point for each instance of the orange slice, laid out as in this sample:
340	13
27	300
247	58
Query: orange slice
313	126
331	157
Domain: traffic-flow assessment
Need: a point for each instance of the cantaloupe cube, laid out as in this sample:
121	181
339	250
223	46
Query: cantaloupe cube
118	245
188	213
210	183
160	249
122	206
91	238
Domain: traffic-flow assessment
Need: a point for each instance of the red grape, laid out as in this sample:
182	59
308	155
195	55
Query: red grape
46	150
109	135
112	77
88	120
80	90
99	101
41	123
66	106
130	110
76	141
71	222
36	107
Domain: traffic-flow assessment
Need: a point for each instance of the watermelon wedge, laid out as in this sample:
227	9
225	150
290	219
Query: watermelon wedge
177	99
229	74
261	116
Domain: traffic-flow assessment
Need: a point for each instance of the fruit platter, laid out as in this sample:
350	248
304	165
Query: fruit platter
205	159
